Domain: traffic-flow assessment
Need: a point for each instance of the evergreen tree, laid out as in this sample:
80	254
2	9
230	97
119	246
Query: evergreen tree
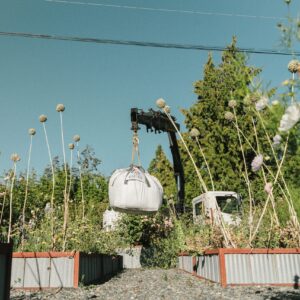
162	169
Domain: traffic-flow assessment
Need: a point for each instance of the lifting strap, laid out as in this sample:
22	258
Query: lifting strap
135	148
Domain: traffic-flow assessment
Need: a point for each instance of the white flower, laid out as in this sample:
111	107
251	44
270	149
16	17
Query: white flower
277	140
268	187
257	163
275	102
261	103
290	117
161	103
47	208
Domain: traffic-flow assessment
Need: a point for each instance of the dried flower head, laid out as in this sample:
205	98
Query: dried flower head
228	116
247	100
293	66
277	140
31	131
60	107
167	109
76	138
257	163
160	103
15	157
194	132
290	117
268	187
261	103
71	146
232	103
43	118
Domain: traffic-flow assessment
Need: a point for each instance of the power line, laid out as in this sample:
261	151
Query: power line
165	10
143	44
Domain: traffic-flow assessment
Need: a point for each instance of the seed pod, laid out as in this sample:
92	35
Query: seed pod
228	116
293	66
167	109
194	132
76	138
232	103
160	103
31	131
60	108
71	146
43	118
15	157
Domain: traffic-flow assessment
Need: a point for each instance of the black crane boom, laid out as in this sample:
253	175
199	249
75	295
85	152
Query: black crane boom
158	122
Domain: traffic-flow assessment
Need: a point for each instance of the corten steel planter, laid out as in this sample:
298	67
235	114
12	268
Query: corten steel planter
42	270
5	269
245	266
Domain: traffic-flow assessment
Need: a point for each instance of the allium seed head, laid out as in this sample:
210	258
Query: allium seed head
232	103
15	157
43	118
160	103
31	131
76	138
194	132
60	107
71	146
228	116
257	163
293	66
167	109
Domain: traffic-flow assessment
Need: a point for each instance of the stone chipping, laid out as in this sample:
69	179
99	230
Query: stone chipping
154	284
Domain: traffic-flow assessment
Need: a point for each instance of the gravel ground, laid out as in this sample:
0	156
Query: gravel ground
156	284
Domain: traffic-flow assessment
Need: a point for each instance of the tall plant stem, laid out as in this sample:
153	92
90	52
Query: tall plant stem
264	175
246	176
53	186
273	152
266	167
188	152
67	205
81	182
269	196
10	202
26	192
4	200
206	163
226	234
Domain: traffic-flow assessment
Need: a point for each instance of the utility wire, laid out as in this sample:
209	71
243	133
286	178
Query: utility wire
165	10
143	44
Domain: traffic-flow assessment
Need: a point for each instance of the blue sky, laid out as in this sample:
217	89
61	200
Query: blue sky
100	83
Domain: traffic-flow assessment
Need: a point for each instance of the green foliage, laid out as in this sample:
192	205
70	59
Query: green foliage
161	168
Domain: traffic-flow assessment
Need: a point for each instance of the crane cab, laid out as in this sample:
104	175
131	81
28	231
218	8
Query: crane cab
208	206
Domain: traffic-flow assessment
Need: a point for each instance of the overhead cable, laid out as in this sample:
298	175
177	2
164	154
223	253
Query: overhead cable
165	10
143	43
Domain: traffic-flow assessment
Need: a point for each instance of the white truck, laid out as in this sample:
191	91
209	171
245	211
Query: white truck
208	207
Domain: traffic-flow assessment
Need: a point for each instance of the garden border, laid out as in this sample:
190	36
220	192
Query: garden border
275	267
44	270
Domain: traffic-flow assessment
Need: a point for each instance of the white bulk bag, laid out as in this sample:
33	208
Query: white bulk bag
133	190
110	219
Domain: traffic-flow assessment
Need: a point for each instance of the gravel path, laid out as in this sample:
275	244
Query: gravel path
157	284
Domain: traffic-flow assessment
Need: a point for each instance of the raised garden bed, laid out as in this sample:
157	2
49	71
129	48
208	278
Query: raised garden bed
41	270
245	266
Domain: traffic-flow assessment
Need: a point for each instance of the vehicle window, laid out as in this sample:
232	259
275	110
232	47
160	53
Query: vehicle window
227	204
199	209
